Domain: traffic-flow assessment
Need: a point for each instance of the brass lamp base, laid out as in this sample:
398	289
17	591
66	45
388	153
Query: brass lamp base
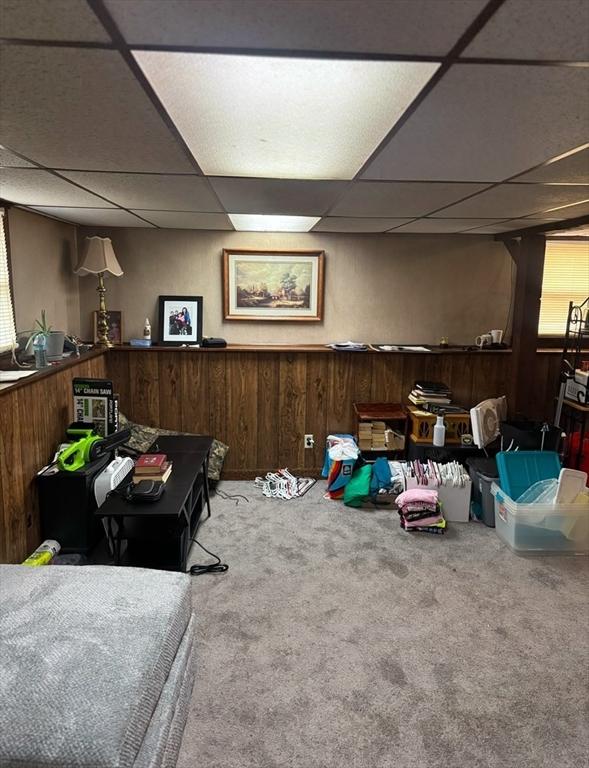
102	321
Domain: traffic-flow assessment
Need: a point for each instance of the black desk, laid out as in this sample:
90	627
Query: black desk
159	534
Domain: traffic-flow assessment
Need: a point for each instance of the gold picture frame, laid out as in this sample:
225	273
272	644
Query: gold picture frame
273	285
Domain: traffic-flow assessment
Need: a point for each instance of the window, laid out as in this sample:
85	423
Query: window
566	279
7	329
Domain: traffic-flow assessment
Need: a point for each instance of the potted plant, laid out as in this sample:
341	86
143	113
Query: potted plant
42	337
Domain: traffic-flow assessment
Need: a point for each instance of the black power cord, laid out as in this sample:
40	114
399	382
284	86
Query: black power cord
198	569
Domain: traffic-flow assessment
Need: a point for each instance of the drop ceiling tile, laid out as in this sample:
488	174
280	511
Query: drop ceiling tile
515	201
569	211
508	226
574	232
158	192
284	118
75	108
573	169
441	226
354	224
426	27
51	20
186	219
100	217
277	196
547	30
489	122
400	199
10	160
33	187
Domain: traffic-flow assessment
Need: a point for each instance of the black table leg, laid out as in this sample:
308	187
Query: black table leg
119	522
206	486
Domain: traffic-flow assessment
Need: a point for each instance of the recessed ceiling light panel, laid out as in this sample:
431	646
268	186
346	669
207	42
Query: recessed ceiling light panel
249	222
279	117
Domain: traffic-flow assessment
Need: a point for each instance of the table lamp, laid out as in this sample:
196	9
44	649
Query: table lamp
99	257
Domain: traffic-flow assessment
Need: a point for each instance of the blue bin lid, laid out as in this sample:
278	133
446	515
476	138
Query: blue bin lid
518	470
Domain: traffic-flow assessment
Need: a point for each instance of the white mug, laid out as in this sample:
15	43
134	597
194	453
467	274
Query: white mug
497	336
483	339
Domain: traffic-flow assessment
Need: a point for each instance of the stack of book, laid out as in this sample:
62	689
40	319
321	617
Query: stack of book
371	436
378	436
430	393
152	466
365	435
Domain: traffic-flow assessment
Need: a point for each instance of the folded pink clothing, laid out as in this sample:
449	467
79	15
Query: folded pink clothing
424	521
419	507
417	496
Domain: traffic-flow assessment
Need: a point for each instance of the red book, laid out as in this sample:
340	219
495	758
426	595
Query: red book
149	462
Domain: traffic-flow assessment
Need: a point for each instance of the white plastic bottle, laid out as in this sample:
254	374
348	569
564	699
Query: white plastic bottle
439	432
147	329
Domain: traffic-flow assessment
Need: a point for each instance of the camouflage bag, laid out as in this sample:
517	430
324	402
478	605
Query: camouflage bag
142	437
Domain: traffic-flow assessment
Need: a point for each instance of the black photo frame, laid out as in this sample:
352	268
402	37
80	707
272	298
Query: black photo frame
180	320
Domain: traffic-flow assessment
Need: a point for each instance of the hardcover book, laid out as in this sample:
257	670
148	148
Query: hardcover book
162	475
149	463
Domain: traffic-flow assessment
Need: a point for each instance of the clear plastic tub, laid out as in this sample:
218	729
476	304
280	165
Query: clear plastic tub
530	529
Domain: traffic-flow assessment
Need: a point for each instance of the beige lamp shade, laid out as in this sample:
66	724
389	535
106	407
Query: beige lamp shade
98	256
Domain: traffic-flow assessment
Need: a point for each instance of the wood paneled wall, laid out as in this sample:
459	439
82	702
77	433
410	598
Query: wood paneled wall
542	386
33	417
262	403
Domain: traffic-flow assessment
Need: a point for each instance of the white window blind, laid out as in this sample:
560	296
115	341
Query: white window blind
566	279
7	329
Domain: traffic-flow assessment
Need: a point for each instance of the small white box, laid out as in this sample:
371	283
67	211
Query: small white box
576	388
530	529
455	500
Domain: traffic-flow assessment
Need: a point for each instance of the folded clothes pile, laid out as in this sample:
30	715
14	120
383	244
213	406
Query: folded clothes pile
420	510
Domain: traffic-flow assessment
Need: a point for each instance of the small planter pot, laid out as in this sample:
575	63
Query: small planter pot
55	341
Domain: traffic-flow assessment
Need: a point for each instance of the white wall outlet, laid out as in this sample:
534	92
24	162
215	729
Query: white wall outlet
309	441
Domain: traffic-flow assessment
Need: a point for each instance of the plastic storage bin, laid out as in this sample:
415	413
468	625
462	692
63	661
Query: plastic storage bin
519	470
483	473
541	528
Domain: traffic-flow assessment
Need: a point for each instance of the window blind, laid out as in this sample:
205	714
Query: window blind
566	278
7	329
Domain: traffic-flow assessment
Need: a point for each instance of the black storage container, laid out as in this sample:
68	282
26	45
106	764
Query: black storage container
67	504
483	473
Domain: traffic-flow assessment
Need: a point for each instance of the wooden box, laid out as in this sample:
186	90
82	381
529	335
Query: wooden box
423	422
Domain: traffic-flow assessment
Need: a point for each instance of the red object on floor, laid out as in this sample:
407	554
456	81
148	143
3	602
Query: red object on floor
573	452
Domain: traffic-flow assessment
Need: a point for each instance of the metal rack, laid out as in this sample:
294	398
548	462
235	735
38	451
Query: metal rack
576	336
570	415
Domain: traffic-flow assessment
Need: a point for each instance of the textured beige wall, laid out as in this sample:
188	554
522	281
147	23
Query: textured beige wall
43	255
396	288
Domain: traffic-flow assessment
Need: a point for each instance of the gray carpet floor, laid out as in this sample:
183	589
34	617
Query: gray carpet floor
337	640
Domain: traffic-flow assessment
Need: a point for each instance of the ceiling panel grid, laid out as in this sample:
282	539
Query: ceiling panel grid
359	116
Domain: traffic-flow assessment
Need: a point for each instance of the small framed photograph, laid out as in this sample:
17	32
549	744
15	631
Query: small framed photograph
114	319
273	285
180	320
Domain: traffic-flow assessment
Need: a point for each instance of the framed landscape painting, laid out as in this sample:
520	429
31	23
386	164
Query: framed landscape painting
180	320
273	285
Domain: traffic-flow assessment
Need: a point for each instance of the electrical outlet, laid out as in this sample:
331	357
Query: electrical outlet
309	441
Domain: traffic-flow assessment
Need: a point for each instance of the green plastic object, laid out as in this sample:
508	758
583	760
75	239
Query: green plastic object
519	470
358	489
77	455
